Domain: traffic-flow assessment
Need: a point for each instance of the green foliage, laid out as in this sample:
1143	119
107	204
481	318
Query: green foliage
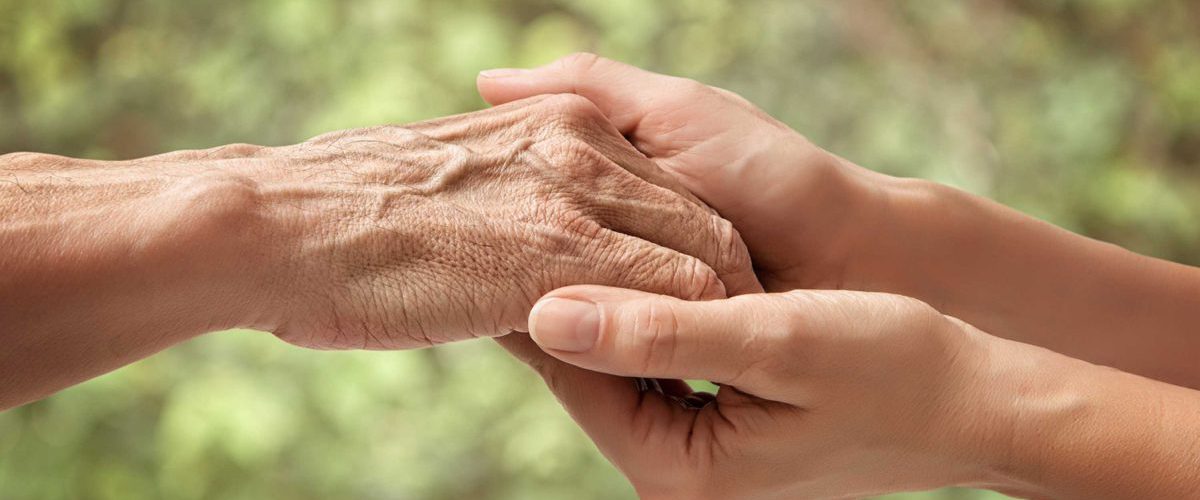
1083	113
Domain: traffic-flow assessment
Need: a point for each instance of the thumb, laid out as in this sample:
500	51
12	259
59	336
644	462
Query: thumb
624	93
638	334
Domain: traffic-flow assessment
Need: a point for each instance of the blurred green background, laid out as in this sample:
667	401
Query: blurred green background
1085	113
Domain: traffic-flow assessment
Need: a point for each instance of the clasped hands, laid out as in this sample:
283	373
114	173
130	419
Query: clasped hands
865	367
868	333
823	393
584	195
823	298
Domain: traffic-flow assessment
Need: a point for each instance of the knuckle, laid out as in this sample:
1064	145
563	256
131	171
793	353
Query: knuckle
577	158
570	113
689	89
797	333
918	315
801	312
894	311
579	63
662	271
694	279
731	255
734	98
570	104
577	223
652	328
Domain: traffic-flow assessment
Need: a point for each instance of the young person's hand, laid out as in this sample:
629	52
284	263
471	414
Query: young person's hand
836	394
814	220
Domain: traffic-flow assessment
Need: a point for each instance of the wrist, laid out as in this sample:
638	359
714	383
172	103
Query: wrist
1003	386
885	211
969	423
212	236
1023	400
1080	430
916	239
792	181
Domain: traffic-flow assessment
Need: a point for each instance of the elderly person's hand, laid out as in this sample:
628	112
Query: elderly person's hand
838	394
383	238
451	229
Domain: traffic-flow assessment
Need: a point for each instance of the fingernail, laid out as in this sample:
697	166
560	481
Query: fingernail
564	324
502	72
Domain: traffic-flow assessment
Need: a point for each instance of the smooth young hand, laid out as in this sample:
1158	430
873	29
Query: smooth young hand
836	394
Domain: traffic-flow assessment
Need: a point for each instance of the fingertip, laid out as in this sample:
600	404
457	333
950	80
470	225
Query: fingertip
563	324
503	85
496	73
490	88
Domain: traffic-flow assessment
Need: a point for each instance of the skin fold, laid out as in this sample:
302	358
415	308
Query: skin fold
988	410
384	238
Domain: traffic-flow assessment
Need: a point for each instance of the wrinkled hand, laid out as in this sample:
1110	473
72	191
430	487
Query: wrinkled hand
799	208
824	394
405	236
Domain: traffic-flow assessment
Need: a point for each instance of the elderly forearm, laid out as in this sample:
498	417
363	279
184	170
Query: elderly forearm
1027	280
103	263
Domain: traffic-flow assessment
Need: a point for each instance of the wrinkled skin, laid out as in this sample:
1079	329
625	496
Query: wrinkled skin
452	228
801	210
390	237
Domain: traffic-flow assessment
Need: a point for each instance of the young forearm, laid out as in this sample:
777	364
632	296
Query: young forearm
103	263
1077	430
1027	280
